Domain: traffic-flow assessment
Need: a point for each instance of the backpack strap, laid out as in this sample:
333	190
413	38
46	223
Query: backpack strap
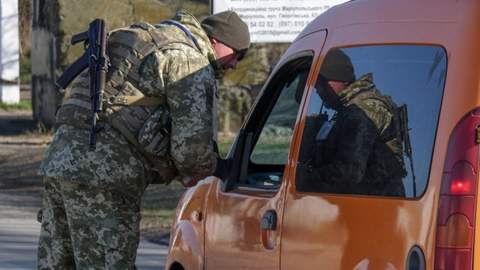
161	40
185	30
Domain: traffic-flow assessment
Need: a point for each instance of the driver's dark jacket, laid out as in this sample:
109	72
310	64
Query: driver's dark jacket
363	152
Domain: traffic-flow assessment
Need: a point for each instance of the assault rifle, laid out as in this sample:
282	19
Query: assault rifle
96	60
407	146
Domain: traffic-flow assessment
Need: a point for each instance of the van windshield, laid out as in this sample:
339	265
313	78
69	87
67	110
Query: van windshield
413	77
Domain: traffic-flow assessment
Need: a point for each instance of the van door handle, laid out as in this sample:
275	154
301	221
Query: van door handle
269	220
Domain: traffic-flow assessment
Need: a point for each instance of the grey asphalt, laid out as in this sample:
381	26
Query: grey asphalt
18	244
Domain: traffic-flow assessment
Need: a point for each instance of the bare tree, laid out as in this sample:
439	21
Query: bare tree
25	18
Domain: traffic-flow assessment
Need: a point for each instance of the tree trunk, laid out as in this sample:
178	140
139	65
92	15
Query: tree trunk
45	44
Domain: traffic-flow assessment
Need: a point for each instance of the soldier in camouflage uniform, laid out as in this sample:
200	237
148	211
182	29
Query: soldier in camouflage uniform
158	124
362	151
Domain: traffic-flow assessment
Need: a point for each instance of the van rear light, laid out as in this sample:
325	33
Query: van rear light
458	196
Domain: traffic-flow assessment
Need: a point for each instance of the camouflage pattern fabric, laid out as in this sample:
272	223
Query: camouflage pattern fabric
363	153
186	77
183	75
101	227
113	164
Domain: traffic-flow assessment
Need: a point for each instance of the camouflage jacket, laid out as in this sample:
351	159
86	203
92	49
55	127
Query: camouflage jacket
185	76
363	152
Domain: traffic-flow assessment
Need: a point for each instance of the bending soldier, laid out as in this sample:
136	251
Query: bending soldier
158	123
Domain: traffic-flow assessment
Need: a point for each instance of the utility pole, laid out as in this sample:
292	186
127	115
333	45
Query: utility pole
46	39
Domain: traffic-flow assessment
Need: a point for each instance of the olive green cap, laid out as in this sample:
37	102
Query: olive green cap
228	28
337	66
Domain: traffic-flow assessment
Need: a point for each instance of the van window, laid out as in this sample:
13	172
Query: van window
412	77
274	141
272	122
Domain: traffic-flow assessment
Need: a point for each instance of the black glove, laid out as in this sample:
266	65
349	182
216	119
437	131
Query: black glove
222	169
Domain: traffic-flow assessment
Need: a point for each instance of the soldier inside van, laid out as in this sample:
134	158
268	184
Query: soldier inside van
358	149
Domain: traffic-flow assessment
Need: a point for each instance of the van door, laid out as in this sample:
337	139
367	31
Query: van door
347	225
243	214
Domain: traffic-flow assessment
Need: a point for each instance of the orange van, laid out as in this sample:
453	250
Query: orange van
423	54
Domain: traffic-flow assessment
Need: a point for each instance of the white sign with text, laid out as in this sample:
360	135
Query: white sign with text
275	20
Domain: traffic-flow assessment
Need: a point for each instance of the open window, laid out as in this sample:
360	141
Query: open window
262	147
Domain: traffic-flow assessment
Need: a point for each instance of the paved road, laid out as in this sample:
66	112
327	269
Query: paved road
18	244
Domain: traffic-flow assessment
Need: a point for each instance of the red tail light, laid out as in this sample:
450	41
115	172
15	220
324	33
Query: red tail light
458	194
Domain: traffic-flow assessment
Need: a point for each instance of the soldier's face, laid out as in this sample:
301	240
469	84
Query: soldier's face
327	93
337	86
226	56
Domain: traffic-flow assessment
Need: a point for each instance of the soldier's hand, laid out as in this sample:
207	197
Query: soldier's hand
187	181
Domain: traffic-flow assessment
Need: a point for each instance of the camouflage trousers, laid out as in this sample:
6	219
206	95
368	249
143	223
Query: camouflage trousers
86	228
